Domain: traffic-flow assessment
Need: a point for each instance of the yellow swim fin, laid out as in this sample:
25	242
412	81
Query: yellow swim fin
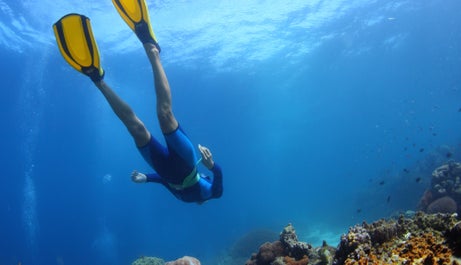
136	15
77	45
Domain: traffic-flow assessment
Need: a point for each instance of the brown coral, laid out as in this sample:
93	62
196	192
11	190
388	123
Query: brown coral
443	205
267	253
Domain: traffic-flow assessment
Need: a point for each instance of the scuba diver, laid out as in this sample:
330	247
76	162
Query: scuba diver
176	163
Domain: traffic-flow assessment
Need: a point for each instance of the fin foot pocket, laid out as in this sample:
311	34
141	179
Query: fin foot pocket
142	32
94	74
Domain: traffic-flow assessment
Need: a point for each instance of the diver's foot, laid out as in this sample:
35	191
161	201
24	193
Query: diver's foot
94	74
143	32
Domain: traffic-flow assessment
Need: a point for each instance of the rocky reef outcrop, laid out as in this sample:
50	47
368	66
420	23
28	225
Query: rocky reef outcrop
288	250
423	239
444	193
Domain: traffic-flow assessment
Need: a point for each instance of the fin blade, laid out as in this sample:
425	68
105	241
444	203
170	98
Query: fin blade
134	12
74	33
130	12
76	42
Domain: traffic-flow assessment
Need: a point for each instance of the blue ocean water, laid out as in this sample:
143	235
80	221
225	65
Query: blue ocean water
321	113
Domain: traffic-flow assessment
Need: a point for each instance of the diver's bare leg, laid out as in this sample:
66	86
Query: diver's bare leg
124	112
168	122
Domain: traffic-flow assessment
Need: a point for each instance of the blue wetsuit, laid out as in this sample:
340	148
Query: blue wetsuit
178	161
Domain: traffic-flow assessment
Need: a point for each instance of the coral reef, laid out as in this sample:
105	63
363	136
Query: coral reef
422	239
148	261
186	260
288	250
444	194
419	238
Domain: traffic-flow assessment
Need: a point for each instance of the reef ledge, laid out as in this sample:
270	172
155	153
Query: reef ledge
417	239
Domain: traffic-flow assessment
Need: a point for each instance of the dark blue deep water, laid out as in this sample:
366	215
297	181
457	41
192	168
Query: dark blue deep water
321	113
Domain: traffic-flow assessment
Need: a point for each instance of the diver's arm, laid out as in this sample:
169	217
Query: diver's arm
139	177
207	160
217	186
154	177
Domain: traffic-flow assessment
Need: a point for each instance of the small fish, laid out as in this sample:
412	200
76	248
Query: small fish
418	179
359	210
388	199
406	170
405	148
421	150
434	134
459	110
449	154
381	182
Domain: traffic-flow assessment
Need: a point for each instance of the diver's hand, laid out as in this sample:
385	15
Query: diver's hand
207	157
138	177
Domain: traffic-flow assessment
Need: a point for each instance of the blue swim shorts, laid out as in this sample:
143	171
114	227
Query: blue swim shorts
173	162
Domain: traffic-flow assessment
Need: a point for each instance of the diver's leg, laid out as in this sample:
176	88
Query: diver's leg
168	122
134	125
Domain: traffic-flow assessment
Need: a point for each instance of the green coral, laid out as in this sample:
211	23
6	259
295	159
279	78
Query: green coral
148	261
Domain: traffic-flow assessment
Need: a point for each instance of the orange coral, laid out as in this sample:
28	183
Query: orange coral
292	261
427	249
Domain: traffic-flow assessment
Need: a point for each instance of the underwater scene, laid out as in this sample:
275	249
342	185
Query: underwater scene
284	132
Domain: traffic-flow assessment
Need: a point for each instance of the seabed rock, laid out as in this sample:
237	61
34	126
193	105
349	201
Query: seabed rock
288	250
